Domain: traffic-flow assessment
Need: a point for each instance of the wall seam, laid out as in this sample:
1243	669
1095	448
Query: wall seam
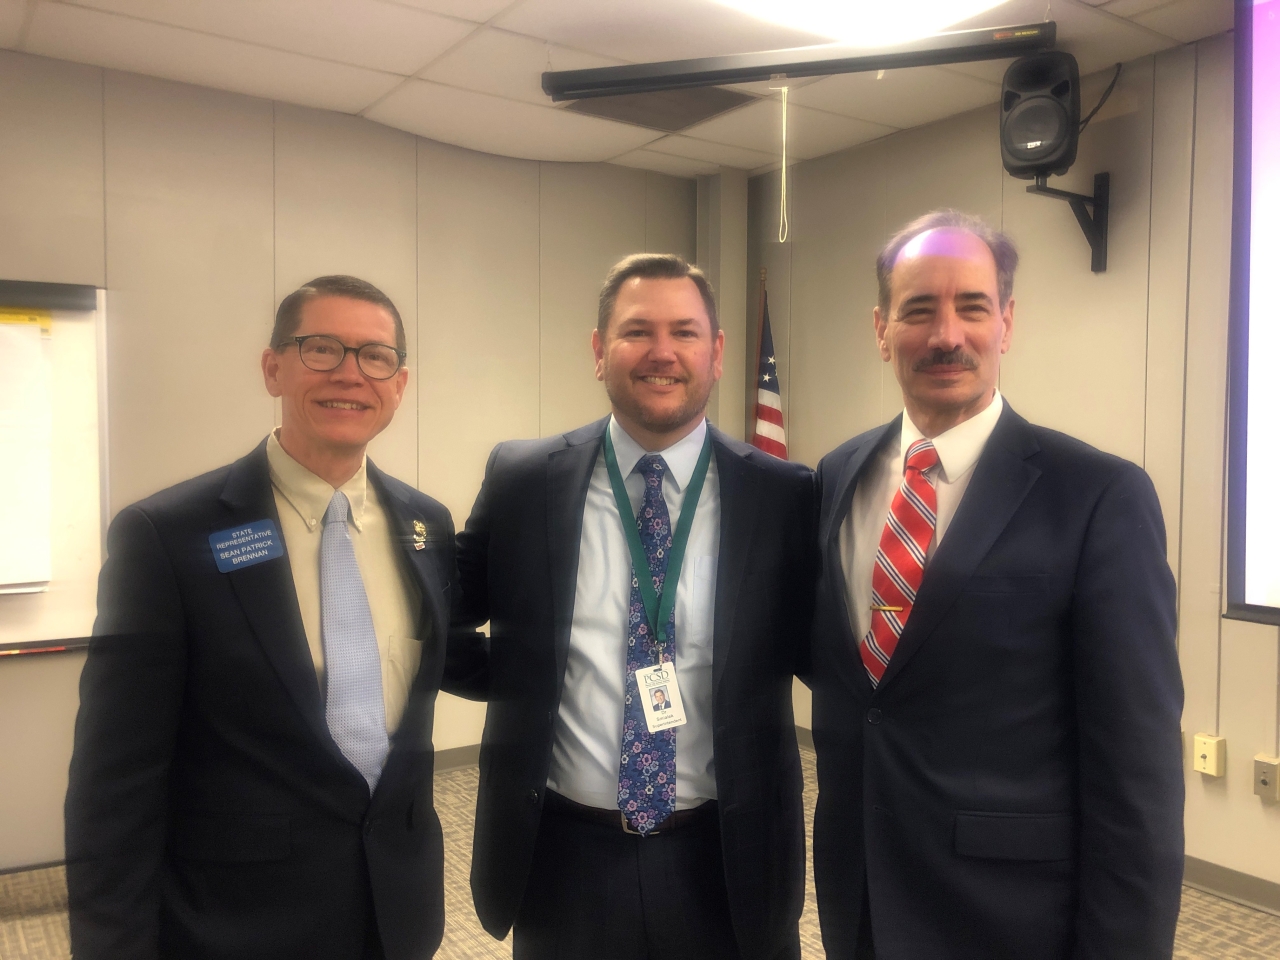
1186	333
102	92
417	307
1146	353
540	269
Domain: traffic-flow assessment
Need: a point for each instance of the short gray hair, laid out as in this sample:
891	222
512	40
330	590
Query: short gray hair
1001	247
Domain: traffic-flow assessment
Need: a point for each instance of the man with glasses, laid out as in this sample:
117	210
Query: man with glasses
252	774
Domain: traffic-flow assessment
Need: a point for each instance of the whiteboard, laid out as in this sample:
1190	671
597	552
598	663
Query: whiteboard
52	443
26	452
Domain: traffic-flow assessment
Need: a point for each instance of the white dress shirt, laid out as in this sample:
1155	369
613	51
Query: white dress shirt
394	599
587	749
958	452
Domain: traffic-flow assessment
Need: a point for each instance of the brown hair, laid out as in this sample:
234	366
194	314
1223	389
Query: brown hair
1001	247
653	266
289	314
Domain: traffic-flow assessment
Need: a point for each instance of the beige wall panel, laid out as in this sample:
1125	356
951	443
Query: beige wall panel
38	702
478	328
1227	824
478	274
731	296
345	192
1200	598
670	220
951	163
765	251
1078	360
592	215
189	226
837	377
1209	646
51	173
1173	128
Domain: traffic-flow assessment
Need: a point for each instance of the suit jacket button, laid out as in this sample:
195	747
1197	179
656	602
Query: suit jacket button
533	796
873	715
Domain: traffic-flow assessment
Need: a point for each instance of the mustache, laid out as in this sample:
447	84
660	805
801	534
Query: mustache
946	358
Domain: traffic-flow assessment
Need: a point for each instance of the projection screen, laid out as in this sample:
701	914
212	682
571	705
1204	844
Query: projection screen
1253	450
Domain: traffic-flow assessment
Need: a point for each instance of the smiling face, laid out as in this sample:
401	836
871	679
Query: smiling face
945	329
658	359
333	415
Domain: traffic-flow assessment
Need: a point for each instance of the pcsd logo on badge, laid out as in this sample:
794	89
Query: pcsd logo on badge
655	677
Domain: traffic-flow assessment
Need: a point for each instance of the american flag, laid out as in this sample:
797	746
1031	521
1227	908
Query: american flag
768	435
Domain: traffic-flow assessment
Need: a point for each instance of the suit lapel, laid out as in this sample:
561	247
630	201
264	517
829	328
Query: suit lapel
739	481
568	477
833	563
267	595
410	527
1001	481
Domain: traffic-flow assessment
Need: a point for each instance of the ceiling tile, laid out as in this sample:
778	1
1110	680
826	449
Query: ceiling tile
810	133
1127	8
11	13
105	40
507	65
665	163
483	122
477	11
719	154
365	33
653	30
1190	20
901	98
1097	38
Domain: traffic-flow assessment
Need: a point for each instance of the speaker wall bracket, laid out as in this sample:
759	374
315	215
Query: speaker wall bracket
1094	225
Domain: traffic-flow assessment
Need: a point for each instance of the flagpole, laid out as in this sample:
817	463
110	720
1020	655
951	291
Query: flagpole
755	370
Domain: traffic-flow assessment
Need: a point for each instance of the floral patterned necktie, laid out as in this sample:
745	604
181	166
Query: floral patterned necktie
647	773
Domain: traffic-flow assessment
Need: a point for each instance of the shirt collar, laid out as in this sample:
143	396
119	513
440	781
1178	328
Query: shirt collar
681	457
307	493
958	448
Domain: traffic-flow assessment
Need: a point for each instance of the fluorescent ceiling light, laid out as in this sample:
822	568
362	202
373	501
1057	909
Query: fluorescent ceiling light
866	23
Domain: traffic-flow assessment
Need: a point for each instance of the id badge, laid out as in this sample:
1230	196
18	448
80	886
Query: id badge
660	697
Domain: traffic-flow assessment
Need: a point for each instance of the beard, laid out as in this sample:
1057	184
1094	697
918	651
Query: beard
697	393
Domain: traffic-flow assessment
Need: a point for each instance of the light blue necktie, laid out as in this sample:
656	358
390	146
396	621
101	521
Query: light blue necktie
354	708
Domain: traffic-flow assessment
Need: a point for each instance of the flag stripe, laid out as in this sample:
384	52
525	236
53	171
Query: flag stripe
770	446
769	398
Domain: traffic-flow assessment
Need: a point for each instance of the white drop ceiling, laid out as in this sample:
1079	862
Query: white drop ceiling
468	72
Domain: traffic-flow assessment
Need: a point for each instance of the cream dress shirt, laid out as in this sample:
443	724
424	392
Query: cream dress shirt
958	452
394	599
587	749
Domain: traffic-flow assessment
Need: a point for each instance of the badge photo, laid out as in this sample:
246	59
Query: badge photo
660	696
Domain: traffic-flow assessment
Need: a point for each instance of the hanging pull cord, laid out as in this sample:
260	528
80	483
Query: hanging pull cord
784	225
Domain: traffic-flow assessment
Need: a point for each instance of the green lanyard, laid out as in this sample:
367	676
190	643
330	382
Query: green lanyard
658	609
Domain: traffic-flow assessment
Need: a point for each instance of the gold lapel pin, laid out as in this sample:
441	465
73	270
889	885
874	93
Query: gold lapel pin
419	535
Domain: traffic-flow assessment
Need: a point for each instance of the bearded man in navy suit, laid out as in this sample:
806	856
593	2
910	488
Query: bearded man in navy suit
996	688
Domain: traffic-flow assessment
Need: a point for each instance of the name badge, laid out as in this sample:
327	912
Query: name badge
240	547
660	697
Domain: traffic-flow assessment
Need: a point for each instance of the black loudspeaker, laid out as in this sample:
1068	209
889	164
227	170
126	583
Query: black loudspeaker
1040	115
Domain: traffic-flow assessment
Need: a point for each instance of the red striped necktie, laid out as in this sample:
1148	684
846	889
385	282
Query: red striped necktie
899	567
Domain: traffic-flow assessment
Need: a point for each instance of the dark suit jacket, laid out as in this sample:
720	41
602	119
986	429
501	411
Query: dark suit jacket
209	812
1013	788
518	562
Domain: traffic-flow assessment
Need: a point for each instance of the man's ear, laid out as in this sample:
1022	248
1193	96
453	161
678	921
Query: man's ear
881	324
271	372
1007	316
597	347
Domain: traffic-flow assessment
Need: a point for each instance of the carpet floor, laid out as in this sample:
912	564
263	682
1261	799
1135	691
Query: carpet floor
33	903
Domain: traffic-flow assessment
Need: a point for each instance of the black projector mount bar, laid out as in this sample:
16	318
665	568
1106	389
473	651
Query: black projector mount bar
991	43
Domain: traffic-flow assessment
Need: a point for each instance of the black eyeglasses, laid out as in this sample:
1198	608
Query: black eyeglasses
322	353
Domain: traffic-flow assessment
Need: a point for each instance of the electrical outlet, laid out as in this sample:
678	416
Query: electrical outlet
1210	755
1266	777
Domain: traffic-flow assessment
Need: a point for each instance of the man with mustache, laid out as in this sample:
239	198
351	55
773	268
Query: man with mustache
252	775
644	550
996	688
